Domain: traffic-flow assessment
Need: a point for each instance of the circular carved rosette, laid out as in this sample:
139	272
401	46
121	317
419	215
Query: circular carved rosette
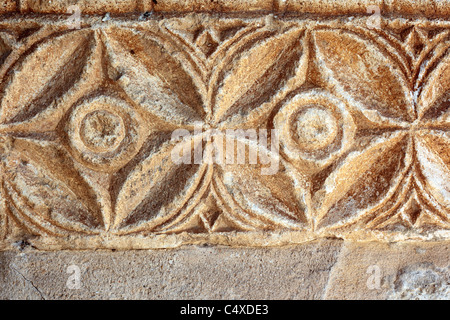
103	133
314	128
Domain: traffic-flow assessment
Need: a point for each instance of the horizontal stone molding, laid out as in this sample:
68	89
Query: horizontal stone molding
429	8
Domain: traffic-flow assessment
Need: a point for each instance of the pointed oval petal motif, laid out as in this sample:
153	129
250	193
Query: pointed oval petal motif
368	176
438	115
260	65
435	94
43	76
158	186
432	149
365	75
42	178
151	75
258	194
5	49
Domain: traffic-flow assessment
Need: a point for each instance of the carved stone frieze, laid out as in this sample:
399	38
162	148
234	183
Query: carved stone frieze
253	130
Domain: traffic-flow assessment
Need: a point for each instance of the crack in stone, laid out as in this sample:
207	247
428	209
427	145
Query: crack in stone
27	280
332	267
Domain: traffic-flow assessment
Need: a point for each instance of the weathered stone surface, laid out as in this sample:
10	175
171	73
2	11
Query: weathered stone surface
135	124
330	269
391	271
186	273
429	8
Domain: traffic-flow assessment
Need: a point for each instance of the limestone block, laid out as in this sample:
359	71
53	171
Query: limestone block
325	269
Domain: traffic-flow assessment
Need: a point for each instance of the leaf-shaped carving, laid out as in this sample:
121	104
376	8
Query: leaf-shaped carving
434	96
260	195
43	76
5	50
438	115
434	163
152	77
364	179
43	179
156	189
255	72
362	70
